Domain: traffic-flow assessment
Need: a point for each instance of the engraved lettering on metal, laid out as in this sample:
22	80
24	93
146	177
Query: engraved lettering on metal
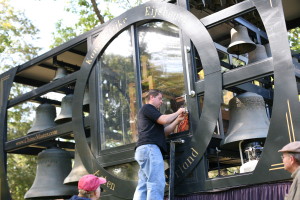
37	137
187	163
165	12
109	184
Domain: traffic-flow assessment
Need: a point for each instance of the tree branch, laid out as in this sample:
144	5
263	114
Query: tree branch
97	11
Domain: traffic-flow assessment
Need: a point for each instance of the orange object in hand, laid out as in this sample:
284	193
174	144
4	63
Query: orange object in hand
183	125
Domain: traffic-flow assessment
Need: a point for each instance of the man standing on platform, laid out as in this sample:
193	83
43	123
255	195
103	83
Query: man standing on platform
291	161
152	129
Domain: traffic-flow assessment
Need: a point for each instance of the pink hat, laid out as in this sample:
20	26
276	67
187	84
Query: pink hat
90	182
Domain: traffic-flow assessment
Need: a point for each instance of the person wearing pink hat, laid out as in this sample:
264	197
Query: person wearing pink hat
89	188
291	161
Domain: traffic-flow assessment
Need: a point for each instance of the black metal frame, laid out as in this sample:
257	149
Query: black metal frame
200	139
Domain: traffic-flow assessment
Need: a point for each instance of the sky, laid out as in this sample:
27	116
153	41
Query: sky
44	14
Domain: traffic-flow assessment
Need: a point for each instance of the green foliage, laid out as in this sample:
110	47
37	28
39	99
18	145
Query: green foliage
16	36
21	173
16	33
21	168
294	38
86	21
87	17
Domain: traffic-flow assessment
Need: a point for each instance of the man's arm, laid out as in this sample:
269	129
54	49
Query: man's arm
170	128
168	119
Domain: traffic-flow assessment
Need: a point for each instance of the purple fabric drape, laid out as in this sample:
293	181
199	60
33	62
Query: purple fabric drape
271	191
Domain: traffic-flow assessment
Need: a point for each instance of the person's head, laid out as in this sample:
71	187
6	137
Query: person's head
154	97
89	186
291	156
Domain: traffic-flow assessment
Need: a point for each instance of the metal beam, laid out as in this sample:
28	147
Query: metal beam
52	86
239	76
227	14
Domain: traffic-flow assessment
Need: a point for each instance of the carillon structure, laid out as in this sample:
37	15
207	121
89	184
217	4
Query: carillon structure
227	61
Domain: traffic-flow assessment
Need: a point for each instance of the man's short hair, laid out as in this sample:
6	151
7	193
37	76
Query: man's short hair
152	92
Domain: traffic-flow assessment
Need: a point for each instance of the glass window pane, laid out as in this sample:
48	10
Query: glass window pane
161	63
118	105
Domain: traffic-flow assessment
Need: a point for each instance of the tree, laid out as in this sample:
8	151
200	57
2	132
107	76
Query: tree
16	34
90	16
294	38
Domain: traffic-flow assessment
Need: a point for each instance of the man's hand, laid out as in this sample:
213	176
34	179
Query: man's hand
180	117
181	111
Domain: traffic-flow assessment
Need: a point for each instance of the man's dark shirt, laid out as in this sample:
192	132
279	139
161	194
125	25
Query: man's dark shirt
149	131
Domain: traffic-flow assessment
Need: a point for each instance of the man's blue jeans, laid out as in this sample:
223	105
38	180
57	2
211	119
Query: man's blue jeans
151	184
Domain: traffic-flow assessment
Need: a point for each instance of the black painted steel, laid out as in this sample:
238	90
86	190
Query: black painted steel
6	81
207	121
285	103
44	89
284	125
172	166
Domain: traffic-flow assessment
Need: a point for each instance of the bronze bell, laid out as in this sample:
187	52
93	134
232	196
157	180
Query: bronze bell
60	72
77	172
248	120
44	119
258	54
53	165
240	41
66	110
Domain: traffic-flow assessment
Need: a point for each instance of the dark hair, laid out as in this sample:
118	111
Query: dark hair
152	92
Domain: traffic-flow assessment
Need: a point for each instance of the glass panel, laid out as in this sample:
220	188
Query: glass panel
161	63
118	106
236	62
127	171
227	96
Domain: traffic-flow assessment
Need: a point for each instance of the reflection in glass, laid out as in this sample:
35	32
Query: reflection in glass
227	96
117	87
127	171
161	63
237	62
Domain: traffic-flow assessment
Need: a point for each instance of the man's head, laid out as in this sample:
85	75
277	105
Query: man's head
89	186
291	156
154	97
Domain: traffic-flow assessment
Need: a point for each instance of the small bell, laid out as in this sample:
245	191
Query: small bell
258	54
77	172
66	110
240	41
44	119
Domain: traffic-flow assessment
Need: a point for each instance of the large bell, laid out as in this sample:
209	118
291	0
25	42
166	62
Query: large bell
66	110
77	172
53	165
240	41
60	72
248	120
44	119
258	54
